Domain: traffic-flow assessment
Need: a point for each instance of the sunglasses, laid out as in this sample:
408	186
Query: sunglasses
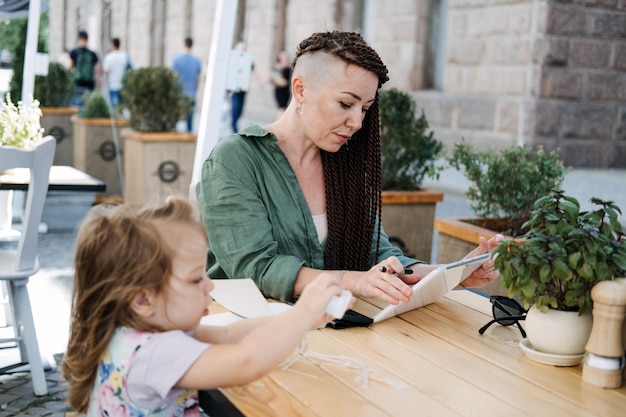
506	312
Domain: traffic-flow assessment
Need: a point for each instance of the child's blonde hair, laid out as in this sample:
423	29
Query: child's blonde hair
120	250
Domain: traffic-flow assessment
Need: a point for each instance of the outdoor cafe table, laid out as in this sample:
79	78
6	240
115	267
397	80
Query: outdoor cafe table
62	178
434	363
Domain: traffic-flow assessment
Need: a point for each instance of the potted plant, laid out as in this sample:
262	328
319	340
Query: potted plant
54	92
504	184
554	265
158	160
20	127
409	152
55	89
97	143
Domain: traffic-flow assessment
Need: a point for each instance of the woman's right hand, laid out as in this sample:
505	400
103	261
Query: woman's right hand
385	285
316	296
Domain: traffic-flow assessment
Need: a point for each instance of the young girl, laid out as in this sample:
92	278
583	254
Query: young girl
140	289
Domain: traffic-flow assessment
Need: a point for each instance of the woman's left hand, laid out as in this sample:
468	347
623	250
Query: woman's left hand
486	273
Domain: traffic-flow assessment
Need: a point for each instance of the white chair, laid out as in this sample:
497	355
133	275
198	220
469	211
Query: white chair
19	263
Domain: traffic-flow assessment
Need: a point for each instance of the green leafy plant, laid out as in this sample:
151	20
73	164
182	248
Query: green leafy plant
20	126
154	99
505	183
55	89
408	150
96	106
563	253
18	40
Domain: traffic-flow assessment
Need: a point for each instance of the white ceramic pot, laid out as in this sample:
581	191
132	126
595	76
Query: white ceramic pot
558	332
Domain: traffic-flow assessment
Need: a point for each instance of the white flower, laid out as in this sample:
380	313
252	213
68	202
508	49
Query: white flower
20	126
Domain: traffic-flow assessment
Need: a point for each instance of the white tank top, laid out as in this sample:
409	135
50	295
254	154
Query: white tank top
321	225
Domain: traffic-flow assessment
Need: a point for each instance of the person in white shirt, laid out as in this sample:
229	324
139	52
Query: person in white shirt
115	65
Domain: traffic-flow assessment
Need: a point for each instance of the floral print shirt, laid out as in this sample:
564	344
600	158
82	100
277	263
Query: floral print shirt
149	390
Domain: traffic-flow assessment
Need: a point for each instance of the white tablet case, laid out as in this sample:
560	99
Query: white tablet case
434	286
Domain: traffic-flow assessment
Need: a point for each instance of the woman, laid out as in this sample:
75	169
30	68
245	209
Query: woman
283	203
281	75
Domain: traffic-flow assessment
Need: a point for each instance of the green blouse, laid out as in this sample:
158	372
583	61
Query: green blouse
257	219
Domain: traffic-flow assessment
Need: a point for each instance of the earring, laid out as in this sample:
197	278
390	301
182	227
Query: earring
299	109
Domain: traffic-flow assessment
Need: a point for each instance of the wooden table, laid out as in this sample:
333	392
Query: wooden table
446	367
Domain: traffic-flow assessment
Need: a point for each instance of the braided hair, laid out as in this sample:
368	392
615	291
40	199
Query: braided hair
352	175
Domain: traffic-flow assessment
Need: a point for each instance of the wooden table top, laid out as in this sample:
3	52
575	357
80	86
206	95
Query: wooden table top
431	362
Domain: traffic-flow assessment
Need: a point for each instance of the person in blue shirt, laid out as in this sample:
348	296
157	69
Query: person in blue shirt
188	68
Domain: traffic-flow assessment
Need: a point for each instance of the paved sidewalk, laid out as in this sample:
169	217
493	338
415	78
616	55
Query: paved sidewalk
50	297
50	288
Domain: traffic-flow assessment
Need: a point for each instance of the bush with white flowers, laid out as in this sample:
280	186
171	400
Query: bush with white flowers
20	126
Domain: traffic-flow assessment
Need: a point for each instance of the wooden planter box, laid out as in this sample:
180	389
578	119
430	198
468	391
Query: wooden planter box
157	165
95	151
457	237
56	121
408	218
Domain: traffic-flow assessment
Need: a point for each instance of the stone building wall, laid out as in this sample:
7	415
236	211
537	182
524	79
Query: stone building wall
581	102
399	35
537	73
534	72
488	79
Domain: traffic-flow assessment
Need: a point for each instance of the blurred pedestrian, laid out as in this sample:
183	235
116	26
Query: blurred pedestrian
86	68
188	67
281	77
238	82
115	65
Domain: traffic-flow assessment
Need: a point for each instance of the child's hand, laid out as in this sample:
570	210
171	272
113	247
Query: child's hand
316	296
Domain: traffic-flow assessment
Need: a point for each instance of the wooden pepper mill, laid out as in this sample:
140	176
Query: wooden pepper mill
624	343
604	359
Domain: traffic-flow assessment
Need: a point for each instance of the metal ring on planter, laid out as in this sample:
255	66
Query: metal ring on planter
58	132
107	150
168	171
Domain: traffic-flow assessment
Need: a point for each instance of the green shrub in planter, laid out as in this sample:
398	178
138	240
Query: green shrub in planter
55	89
154	99
506	182
408	150
96	106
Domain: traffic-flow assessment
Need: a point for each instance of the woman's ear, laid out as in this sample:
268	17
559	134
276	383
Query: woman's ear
297	88
143	303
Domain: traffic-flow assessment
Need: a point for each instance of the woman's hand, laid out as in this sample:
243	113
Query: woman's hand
486	273
384	281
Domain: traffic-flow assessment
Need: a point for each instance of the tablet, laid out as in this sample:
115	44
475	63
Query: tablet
433	286
429	289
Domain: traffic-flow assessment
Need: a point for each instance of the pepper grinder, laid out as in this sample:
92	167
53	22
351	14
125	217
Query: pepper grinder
603	365
624	343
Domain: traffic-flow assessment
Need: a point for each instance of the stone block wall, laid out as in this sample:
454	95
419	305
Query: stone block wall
489	46
581	98
484	120
534	72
